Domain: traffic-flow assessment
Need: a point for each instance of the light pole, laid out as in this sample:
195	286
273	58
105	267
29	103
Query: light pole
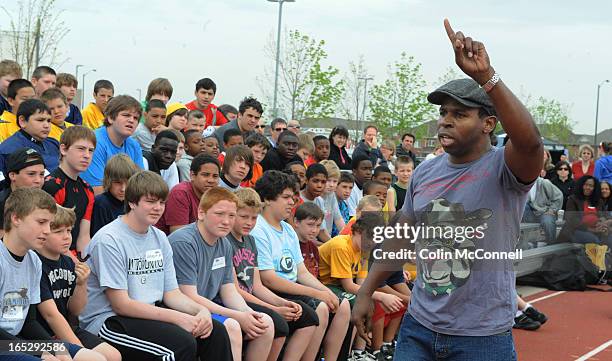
139	94
365	94
76	75
597	112
278	35
83	85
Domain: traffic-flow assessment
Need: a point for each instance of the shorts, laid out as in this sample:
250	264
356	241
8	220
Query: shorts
88	339
379	313
282	327
218	317
310	301
342	294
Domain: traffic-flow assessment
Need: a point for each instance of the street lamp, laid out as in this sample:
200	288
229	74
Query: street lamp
278	35
139	94
597	111
76	73
76	76
83	85
365	94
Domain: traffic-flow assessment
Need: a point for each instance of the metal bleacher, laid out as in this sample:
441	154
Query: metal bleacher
534	258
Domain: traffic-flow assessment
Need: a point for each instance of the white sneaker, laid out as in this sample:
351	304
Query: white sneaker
364	356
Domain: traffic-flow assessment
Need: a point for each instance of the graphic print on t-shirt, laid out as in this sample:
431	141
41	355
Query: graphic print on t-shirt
286	264
65	279
14	303
152	262
443	275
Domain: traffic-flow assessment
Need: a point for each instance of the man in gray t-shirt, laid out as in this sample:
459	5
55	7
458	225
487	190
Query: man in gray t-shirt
472	185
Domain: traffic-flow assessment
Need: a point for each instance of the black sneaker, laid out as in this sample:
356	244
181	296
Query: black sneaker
524	322
536	315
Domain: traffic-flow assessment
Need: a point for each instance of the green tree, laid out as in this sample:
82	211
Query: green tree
400	103
33	35
552	118
306	88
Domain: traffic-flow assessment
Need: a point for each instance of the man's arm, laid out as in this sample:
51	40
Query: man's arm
524	150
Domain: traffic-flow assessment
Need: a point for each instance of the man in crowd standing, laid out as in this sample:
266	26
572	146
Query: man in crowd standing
249	113
369	147
277	126
406	147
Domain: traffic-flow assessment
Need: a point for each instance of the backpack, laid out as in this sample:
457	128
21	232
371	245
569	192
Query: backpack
573	271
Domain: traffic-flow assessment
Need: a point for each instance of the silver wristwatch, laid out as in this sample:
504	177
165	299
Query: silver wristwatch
491	83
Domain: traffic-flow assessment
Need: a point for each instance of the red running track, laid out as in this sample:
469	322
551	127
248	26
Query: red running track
579	327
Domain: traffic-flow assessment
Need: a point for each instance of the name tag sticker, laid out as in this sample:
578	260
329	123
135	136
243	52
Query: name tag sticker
218	263
154	255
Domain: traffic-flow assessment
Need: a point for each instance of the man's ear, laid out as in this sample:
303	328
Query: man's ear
490	124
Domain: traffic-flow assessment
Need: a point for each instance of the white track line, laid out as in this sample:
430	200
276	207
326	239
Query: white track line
547	296
595	351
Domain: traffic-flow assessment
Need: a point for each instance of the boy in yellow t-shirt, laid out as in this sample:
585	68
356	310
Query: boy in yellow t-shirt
19	90
343	268
93	113
58	104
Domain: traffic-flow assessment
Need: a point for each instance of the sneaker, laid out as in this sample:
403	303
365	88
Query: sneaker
524	322
388	350
536	315
363	356
385	354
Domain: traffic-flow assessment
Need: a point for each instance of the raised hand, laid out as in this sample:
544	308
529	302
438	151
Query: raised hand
82	271
470	55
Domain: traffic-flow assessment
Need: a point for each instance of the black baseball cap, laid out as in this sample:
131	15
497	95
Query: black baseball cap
465	91
23	158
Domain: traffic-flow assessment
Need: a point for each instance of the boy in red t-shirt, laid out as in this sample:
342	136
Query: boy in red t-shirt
307	224
205	91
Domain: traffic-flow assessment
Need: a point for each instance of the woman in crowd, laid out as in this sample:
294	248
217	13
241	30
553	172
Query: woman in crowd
387	149
584	165
564	180
337	151
606	198
584	222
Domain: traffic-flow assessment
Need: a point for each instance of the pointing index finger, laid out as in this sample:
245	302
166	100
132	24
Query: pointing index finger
449	31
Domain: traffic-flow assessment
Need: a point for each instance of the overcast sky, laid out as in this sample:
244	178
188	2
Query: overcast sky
556	49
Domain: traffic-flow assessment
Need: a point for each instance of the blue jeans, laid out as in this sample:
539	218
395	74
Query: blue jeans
418	343
585	237
546	221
